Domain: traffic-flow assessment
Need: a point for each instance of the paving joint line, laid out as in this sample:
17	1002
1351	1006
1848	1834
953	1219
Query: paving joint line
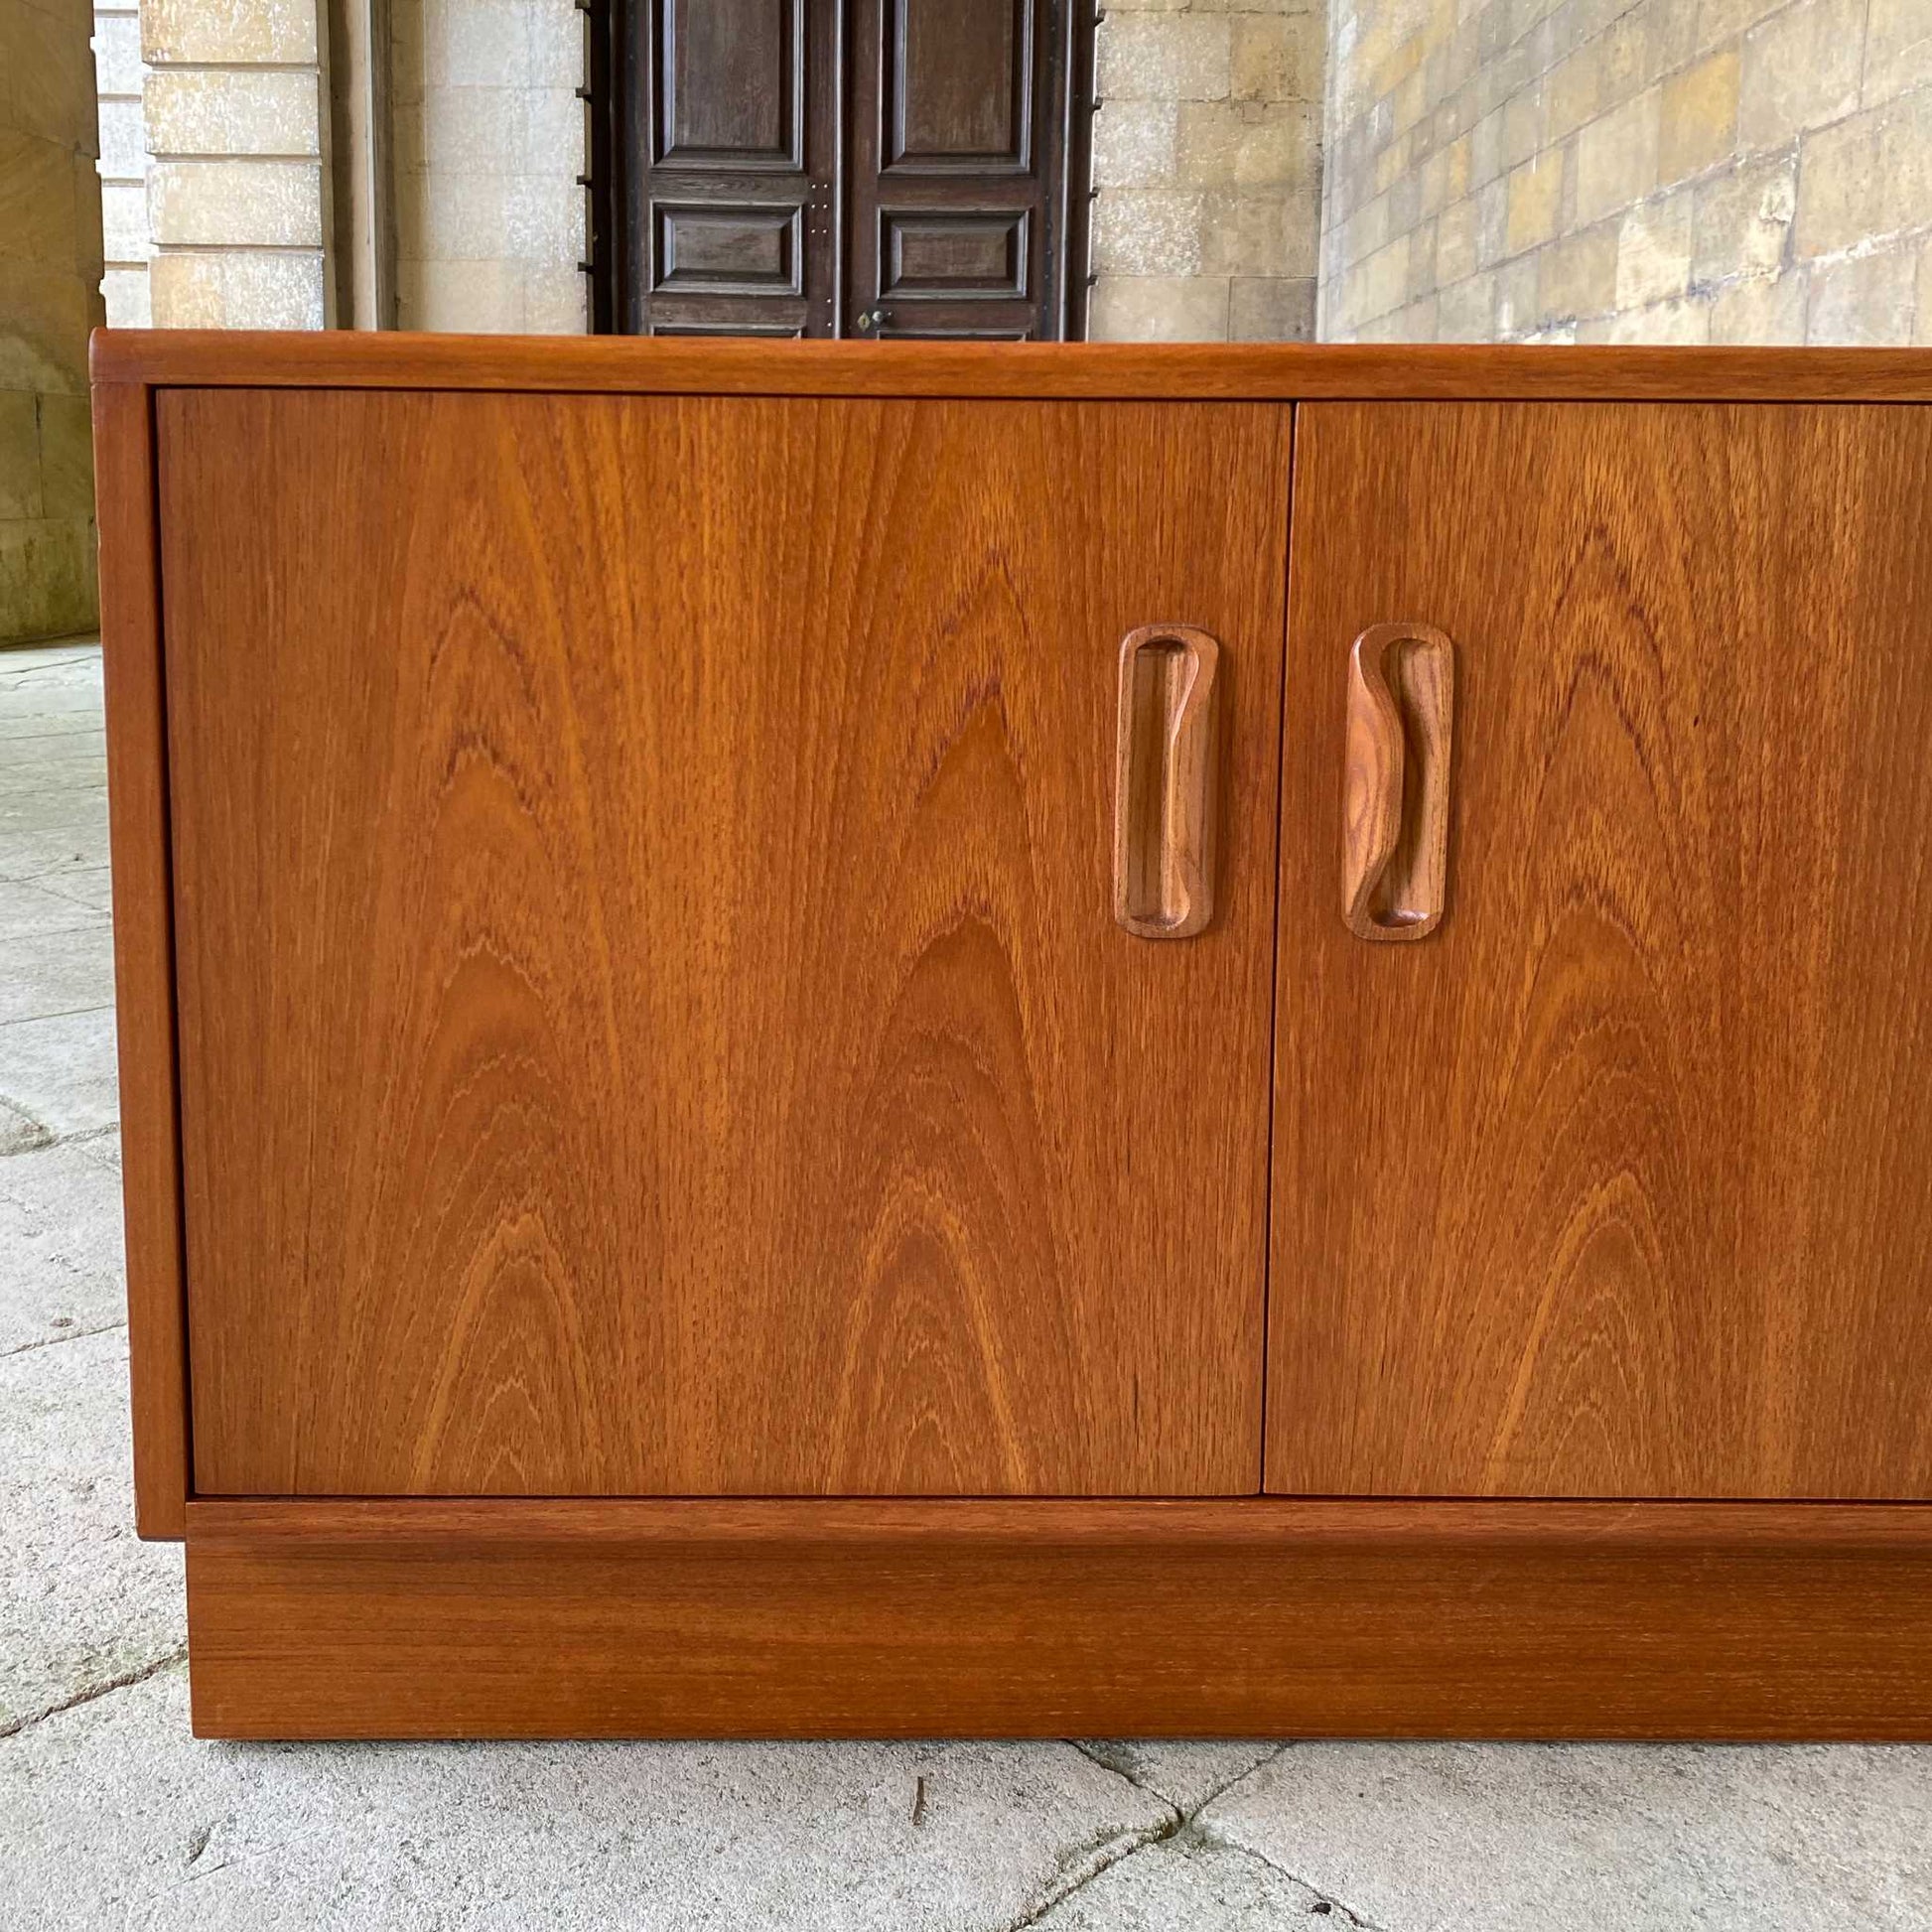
139	1675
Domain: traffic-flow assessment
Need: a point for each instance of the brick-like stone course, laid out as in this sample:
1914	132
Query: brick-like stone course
1628	171
234	229
1206	169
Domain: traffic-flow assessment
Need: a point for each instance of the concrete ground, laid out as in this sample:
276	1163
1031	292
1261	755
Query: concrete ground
111	1815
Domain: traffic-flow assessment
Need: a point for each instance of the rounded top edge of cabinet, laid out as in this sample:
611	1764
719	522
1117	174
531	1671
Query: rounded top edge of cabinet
1099	372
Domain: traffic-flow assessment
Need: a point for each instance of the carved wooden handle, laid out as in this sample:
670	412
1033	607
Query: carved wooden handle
1395	783
1164	797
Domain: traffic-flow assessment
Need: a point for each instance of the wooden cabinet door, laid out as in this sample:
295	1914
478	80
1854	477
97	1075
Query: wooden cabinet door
1619	1182
652	1017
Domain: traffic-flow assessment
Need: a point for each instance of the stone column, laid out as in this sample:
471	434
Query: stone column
50	297
238	182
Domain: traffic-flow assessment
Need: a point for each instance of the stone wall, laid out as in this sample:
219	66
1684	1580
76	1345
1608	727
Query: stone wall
489	142
50	298
237	182
1675	170
121	76
1206	169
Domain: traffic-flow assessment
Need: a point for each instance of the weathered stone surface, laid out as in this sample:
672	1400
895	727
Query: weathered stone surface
1639	1838
236	288
115	1813
83	1606
60	1234
1191	1884
60	1071
226	33
1185	1773
1865	302
53	972
233	111
1160	309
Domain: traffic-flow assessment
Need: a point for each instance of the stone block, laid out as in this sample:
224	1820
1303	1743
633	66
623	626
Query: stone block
1240	144
1654	251
556	300
484	298
20	454
1271	309
1871	175
1516	298
67	457
1742	219
1466	311
117	55
1147	231
123	140
1685	321
555	132
1572	92
44	339
1617	157
1164	57
1897	48
1456	242
1275	56
1721	20
1800	70
38	213
222	111
124	220
1535	200
124	293
1136	144
54	98
1922	308
1158	309
1243	235
1698	117
1865	302
215	33
1492	223
234	204
554	35
1383	280
1577	275
1769	309
237	289
1522	127
478	130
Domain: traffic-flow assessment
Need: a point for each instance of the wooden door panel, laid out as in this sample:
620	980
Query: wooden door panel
960	169
1618	1182
730	166
653	1020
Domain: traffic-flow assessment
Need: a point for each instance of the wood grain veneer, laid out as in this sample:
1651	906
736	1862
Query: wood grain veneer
653	1014
144	974
1619	1182
1179	371
409	1619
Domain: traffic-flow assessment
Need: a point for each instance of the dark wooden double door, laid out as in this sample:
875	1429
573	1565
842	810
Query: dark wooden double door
889	168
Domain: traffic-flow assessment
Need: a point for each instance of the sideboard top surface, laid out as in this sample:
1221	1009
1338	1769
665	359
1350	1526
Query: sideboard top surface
1179	371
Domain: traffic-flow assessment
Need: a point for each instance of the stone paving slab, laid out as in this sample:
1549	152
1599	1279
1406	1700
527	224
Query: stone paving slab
84	1604
46	973
28	907
1639	1838
60	1234
60	1071
119	1818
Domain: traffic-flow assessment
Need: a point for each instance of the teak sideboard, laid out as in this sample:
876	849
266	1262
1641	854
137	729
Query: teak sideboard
920	1039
